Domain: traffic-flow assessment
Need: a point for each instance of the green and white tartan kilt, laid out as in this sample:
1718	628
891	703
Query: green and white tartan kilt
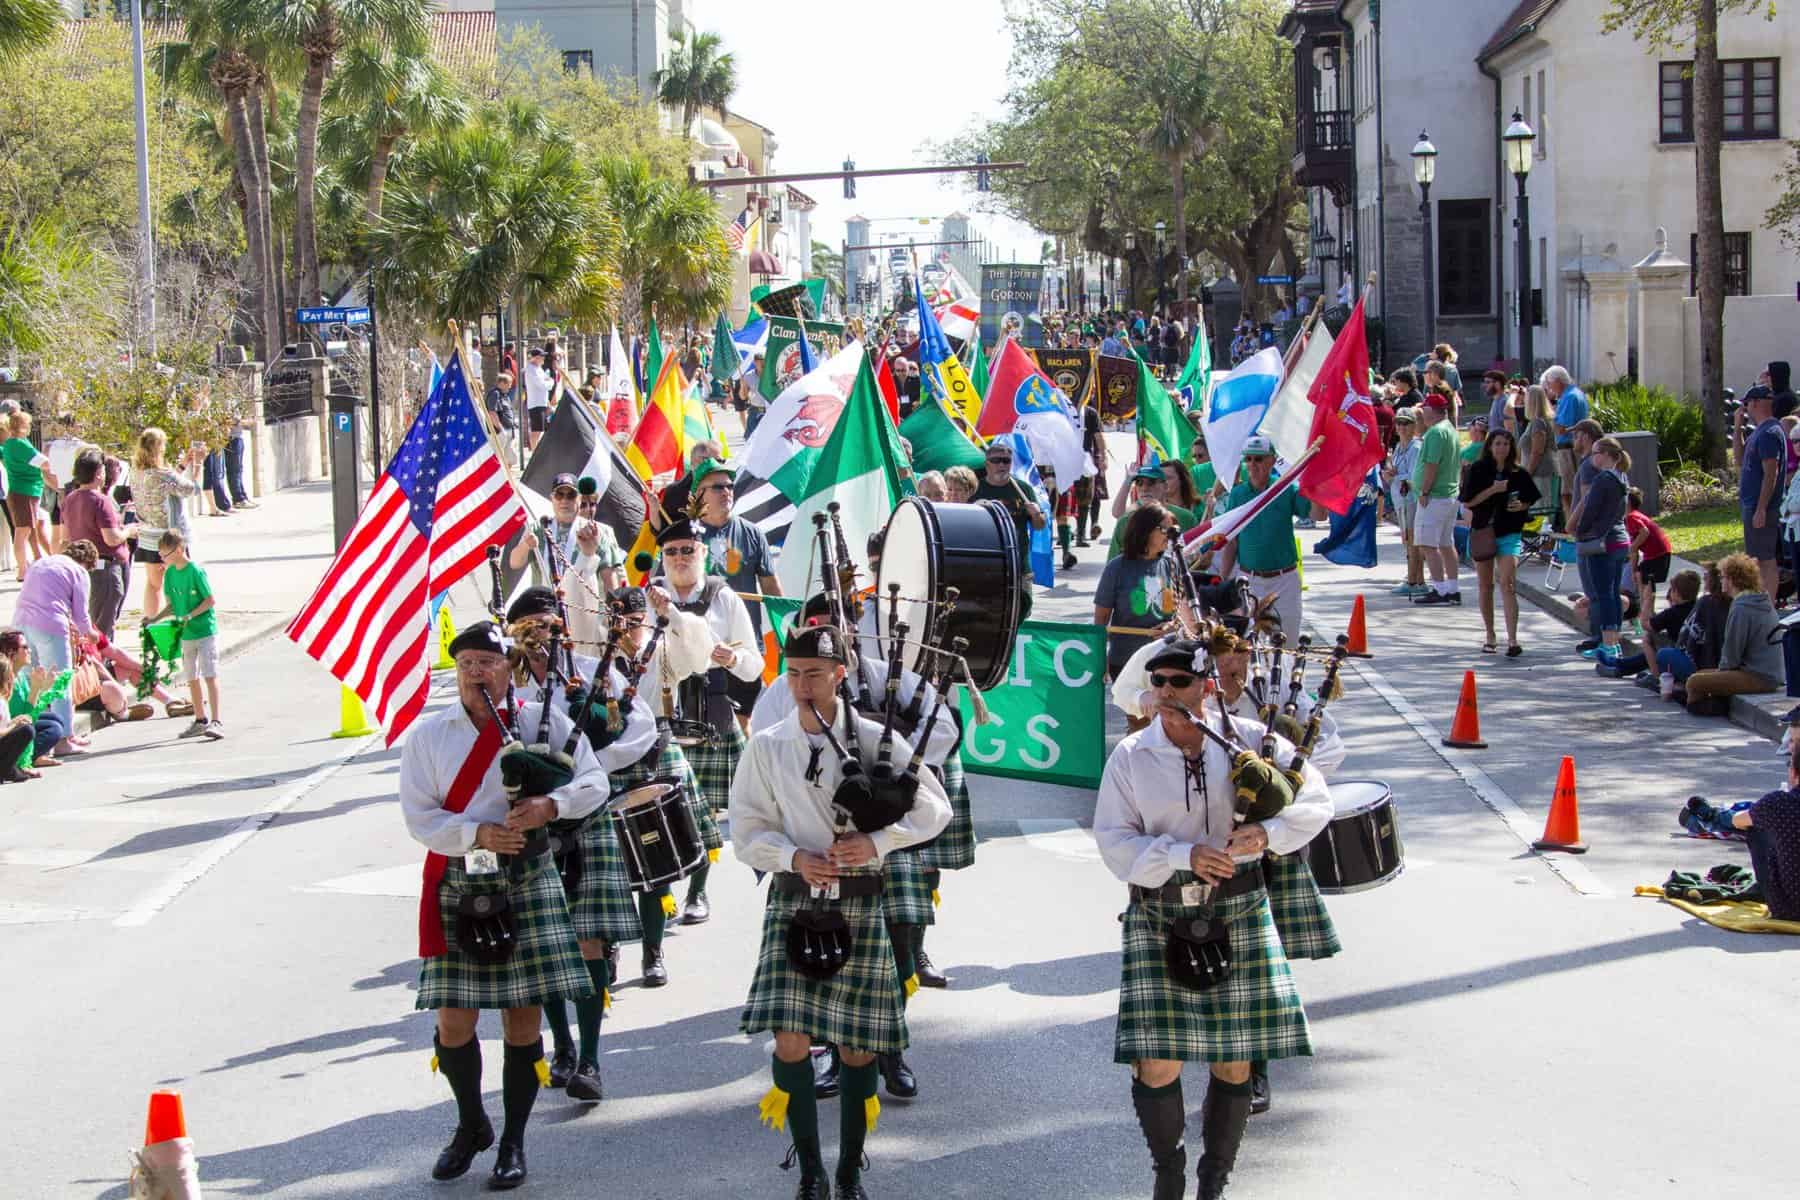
1254	1014
906	896
545	966
1299	910
605	906
862	1007
672	762
953	849
715	762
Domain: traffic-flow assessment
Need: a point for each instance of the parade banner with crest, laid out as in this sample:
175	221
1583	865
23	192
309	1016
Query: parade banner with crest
781	357
1011	296
1072	371
1115	387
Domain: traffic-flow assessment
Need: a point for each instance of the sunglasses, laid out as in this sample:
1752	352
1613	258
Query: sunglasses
1003	459
1174	680
565	494
1170	530
719	487
680	551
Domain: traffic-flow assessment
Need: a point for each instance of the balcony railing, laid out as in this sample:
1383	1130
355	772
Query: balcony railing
1323	131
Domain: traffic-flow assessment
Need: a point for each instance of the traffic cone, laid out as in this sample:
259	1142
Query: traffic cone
1465	729
353	719
1562	829
446	635
1359	630
166	1169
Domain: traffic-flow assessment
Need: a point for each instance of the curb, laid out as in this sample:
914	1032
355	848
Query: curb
1745	712
84	718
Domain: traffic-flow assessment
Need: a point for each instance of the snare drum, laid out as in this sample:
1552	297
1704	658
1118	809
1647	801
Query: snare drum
656	834
1361	848
929	547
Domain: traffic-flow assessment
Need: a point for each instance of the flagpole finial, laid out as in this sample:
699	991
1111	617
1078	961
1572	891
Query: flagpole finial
1371	280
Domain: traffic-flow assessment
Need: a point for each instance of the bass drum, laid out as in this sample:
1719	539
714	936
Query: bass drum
1361	848
930	547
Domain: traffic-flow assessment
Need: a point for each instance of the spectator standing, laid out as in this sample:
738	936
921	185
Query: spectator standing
1265	551
1403	385
90	515
738	549
1780	382
1493	387
1434	483
53	601
1749	661
1569	409
1437	382
1537	441
190	601
931	487
1601	542
1398	477
236	444
1443	356
537	397
26	470
960	484
1499	493
997	484
1205	476
60	450
1760	445
158	492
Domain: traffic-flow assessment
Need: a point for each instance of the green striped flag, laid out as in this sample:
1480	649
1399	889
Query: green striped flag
937	444
1196	377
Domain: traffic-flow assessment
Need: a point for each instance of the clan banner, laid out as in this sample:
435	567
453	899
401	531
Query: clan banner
1115	388
781	358
1049	713
1072	371
1011	294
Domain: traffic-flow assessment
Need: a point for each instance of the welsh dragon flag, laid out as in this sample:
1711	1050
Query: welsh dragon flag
778	462
859	468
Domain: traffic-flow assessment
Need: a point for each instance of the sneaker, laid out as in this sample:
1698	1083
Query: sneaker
213	731
1407	589
195	729
1647	681
1591	653
1433	597
1453	598
1606	654
1583	647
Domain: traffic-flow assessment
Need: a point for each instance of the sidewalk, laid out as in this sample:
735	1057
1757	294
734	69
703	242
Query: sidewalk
262	562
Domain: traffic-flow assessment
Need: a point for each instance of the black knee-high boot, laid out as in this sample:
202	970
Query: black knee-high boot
1163	1115
1222	1120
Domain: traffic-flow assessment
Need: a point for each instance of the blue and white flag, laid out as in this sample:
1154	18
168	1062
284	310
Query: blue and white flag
1025	472
1236	408
1351	542
750	341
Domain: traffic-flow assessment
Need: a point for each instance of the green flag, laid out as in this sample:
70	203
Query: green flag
781	356
653	357
978	367
724	354
1160	421
1196	377
937	444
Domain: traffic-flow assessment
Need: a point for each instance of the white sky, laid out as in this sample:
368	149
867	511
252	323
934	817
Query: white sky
838	79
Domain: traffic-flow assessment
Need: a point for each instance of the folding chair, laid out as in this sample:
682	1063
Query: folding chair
1561	560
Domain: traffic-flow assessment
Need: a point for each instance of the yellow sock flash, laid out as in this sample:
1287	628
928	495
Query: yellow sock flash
605	1000
668	905
773	1109
712	856
911	985
543	1073
871	1112
937	898
434	1064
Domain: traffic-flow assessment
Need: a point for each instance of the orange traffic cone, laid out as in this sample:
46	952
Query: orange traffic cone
1465	729
166	1168
1562	830
1359	631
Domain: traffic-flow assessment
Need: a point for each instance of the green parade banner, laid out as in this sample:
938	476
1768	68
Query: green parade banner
781	357
1049	714
1072	371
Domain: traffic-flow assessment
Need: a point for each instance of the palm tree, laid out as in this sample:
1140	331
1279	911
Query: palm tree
828	264
1181	133
673	258
322	29
697	77
379	99
26	25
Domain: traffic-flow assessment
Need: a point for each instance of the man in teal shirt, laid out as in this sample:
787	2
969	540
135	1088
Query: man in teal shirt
1265	552
1436	474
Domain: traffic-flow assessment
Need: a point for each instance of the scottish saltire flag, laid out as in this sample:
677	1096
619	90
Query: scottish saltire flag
1236	408
433	513
749	342
1027	476
1351	542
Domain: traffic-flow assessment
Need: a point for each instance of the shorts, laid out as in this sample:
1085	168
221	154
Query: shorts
1509	545
22	509
200	657
1655	570
1434	523
1758	543
1565	468
536	419
145	550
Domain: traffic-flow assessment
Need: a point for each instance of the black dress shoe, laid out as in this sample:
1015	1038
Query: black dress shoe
1069	564
655	974
1259	1093
897	1076
813	1189
509	1168
584	1084
562	1065
825	1076
926	970
464	1145
696	911
851	1191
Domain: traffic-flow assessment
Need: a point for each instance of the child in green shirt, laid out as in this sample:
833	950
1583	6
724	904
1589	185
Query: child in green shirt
190	600
26	468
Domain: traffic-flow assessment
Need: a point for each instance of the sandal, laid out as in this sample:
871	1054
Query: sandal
1514	650
45	760
1490	647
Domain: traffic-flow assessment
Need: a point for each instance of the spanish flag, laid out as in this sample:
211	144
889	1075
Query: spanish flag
658	447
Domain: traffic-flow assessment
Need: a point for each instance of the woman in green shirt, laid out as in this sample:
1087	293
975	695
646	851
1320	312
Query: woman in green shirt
26	469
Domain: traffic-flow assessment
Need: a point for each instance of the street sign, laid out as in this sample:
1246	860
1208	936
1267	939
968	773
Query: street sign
334	315
1274	279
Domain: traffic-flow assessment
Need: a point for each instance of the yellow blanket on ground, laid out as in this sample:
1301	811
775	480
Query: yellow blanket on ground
1739	916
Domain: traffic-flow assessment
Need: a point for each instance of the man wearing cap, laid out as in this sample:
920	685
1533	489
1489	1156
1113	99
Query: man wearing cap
601	907
737	550
1760	446
675	499
581	555
1264	551
1436	476
1165	822
1149	485
997	484
454	803
537	397
784	821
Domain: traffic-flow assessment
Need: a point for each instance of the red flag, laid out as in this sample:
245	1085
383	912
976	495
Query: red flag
884	379
1345	419
1011	369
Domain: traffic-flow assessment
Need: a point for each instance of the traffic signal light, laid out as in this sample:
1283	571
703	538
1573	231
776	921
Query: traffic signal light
981	177
849	179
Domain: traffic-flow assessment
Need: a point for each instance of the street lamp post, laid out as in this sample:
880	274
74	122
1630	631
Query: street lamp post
1161	228
1517	142
1424	156
1130	269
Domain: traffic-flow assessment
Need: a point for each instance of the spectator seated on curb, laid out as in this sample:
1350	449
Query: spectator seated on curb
1663	629
1697	642
30	691
1749	661
17	739
1771	829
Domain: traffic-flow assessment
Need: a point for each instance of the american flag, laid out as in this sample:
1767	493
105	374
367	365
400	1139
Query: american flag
734	232
428	522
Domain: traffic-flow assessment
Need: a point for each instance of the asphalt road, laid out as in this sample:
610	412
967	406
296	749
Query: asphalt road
237	920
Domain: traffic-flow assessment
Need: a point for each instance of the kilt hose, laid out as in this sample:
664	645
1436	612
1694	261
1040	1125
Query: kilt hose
1254	1014
715	762
671	763
604	906
545	966
1299	910
905	894
862	1007
954	848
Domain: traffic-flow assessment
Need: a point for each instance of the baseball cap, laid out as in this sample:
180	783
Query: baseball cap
1438	401
564	480
1257	445
1150	472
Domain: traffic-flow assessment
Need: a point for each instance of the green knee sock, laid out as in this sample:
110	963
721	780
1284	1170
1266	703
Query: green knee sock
697	882
857	1110
556	1015
589	1012
796	1079
650	912
1063	536
901	938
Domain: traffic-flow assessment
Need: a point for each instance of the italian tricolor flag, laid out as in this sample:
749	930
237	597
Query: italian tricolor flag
859	468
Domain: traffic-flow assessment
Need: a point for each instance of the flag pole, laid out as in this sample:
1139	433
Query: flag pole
1194	535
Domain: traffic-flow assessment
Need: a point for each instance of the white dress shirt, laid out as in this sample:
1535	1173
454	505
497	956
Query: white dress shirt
436	750
775	810
776	703
537	386
1148	817
729	621
640	727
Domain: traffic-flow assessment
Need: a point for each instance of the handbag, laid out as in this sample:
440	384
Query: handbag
1484	543
1589	547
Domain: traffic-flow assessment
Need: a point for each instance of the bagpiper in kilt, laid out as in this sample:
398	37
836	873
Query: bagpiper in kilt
601	905
1165	822
1298	909
825	889
494	927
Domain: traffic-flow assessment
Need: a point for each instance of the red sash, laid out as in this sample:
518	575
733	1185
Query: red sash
462	790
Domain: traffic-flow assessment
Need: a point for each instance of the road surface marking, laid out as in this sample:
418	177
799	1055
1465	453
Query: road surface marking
1062	837
402	881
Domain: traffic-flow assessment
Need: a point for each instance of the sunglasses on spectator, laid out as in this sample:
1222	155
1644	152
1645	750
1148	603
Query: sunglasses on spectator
681	551
1000	458
1174	680
719	487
